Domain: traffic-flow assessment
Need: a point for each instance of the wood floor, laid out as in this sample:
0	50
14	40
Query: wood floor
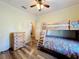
25	53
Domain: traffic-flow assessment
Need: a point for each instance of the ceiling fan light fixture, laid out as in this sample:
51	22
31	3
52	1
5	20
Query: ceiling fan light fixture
40	6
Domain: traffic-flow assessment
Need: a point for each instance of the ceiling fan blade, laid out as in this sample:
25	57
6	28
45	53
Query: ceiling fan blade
32	6
38	0
46	5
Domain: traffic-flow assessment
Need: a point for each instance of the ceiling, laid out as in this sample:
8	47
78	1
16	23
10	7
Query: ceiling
54	5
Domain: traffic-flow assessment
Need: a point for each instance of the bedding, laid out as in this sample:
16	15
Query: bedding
61	45
75	25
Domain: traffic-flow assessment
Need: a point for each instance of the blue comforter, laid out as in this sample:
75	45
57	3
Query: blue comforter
61	45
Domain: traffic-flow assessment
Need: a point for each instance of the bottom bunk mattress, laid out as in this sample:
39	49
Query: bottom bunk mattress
61	45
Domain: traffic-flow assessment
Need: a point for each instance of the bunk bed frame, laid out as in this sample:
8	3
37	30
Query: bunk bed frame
49	51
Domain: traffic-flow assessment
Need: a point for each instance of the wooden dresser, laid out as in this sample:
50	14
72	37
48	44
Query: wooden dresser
17	40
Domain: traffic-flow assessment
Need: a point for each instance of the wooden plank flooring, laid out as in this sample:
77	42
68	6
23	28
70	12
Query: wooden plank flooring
24	53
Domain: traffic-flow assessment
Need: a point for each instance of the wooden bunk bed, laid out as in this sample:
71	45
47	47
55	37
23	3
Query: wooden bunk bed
56	26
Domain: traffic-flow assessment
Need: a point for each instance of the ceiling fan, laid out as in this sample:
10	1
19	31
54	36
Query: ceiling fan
40	5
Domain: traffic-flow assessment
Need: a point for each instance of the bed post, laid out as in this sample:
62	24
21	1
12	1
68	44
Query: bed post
69	24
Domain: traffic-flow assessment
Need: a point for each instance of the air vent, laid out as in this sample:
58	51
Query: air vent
23	7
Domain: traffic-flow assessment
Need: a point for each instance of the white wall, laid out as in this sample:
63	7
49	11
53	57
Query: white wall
63	14
12	20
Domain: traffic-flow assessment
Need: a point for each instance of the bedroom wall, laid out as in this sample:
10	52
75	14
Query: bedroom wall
62	14
70	13
13	20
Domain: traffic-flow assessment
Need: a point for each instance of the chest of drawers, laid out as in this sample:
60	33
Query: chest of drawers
17	40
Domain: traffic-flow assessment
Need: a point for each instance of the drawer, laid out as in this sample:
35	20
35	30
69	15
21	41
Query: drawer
18	42
19	34
19	37
17	46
